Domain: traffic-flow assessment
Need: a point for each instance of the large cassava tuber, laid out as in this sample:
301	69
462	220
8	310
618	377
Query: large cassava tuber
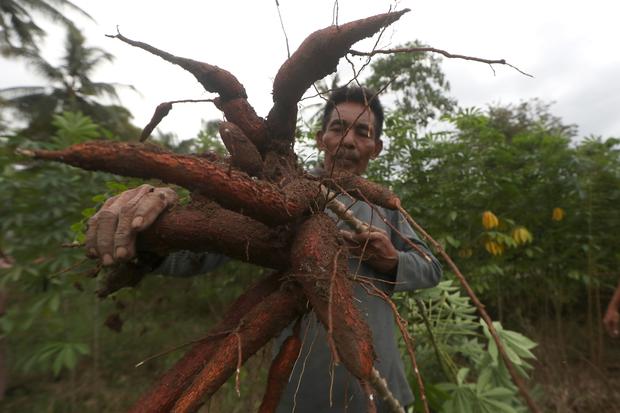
263	209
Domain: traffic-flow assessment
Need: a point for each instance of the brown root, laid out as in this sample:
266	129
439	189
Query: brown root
243	153
206	226
242	114
161	111
162	396
320	265
231	188
280	371
317	57
212	78
362	189
254	330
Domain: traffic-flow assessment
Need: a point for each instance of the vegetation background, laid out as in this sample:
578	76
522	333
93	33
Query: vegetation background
526	207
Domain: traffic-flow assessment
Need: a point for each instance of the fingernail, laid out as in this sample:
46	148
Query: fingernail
121	252
137	221
107	259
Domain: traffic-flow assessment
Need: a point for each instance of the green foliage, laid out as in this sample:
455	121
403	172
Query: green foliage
54	318
458	358
521	165
207	140
42	205
57	356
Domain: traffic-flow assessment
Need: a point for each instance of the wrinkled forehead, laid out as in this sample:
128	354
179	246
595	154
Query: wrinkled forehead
351	113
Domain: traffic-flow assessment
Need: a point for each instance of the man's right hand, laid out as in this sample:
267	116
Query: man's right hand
112	231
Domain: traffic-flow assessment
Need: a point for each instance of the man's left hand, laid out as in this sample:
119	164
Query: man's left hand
375	248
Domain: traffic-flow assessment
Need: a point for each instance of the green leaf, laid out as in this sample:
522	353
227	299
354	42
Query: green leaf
54	303
88	212
453	241
462	375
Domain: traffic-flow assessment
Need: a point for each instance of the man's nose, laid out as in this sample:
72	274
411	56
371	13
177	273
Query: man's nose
348	140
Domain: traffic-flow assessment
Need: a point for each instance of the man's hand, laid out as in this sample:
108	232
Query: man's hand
375	248
112	231
611	321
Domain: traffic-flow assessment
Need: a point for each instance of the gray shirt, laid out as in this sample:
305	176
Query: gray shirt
315	386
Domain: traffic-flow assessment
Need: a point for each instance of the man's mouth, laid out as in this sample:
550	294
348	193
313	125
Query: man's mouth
350	156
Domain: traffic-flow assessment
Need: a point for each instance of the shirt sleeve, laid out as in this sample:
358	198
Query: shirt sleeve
414	271
189	264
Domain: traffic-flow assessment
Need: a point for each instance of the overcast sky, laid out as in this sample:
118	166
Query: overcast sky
569	46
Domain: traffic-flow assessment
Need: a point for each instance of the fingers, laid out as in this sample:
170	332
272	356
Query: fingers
124	236
106	227
374	247
348	236
151	206
91	238
360	244
111	233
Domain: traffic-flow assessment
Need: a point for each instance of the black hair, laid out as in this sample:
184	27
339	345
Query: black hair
359	95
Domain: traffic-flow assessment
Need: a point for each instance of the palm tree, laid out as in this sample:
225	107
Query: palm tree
70	88
20	33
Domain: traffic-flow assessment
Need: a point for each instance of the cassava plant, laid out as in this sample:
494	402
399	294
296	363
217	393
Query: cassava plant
259	206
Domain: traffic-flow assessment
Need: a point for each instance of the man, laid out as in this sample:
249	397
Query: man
350	137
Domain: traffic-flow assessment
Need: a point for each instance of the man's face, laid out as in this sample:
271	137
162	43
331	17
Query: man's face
349	139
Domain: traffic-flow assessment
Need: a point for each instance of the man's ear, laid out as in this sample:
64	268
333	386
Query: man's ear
319	140
378	148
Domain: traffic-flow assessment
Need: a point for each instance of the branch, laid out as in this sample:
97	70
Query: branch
288	50
381	386
485	316
342	212
372	289
442	52
359	226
